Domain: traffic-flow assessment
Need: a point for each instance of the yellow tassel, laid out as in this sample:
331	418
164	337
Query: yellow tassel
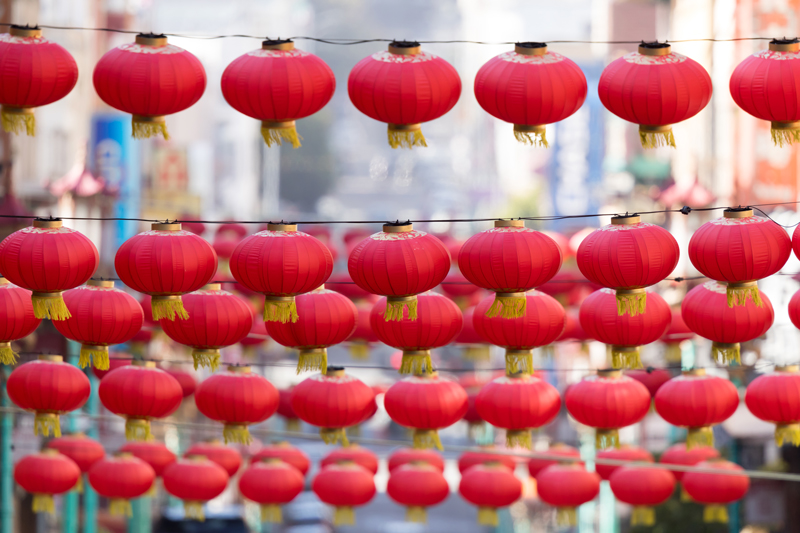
643	515
416	363
271	513
43	503
631	303
425	439
18	120
359	350
194	511
415	513
344	516
656	139
78	485
120	507
7	355
238	433
606	438
518	437
145	130
311	360
152	492
282	311
45	423
206	358
276	136
519	361
334	435
726	354
293	424
673	352
169	309
780	137
566	517
699	437
532	138
737	296
98	354
50	306
787	434
487	516
406	139
715	513
478	352
138	429
625	357
685	496
394	309
508	307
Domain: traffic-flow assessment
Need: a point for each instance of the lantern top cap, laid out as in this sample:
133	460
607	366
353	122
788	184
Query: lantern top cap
334	371
787	368
398	227
50	451
784	45
626	220
25	31
610	373
281	226
530	48
212	287
236	369
145	364
738	212
405	48
51	358
509	223
47	223
151	39
694	372
123	455
166	226
655	49
105	283
277	44
196	458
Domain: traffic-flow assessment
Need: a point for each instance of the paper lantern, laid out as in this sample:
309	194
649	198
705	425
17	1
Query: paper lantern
679	454
624	332
44	475
286	453
363	335
766	85
277	85
510	260
257	336
705	310
140	392
775	398
17	320
530	87
194	480
438	324
475	347
185	379
461	291
567	487
489	486
697	401
156	454
404	87
624	453
48	259
149	79
286	410
341	282
405	456
344	485
355	453
469	459
270	484
677	332
417	486
165	263
570	455
794	309
399	263
643	488
281	263
115	360
740	249
120	479
225	456
715	491
655	88
325	318
49	387
651	378
81	449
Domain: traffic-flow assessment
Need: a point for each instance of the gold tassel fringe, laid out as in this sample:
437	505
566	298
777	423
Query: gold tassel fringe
737	296
478	352
282	311
625	358
726	354
276	136
425	439
359	350
532	138
169	309
508	307
46	423
271	513
487	516
631	303
416	363
145	130
7	355
96	354
606	438
194	511
715	513
643	515
566	517
311	360
238	433
406	139
394	310
656	139
43	503
50	307
787	434
518	437
699	437
293	424
415	513
206	358
673	353
521	361
334	435
120	507
779	137
685	496
344	516
138	429
19	122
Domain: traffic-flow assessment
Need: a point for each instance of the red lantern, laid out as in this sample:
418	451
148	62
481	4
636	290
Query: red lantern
271	484
363	334
45	474
164	263
461	291
518	403
573	331
567	487
195	481
115	360
140	392
277	85
627	256
489	486
281	263
333	402
399	263
475	347
607	401
472	417
121	479
775	398
258	334
426	403
530	87
542	324
49	387
225	456
677	332
624	332
510	260
286	411
185	380
17	320
570	455
325	318
794	309
623	453
341	282
286	453
716	491
101	315
404	456
679	454
156	454
417	486
438	324
652	378
355	453
149	79
740	249
404	87
655	88
644	488
766	85
697	401
30	257
81	449
470	459
344	485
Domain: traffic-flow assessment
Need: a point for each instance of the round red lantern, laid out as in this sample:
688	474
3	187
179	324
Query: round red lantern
101	315
185	379
677	332
17	320
624	332
404	87
49	387
571	455
542	324
476	426
407	455
766	85
475	347
530	87
426	403
510	260
45	474
355	453
697	401
399	263
120	479
652	378
489	486
344	485
438	324
333	401
794	309
257	336
156	454
342	282
716	491
740	249
194	480
225	456
470	459
624	453
270	484
643	488
140	392
363	335
115	360
81	449
456	286
165	263
281	263
149	79
417	486
286	453
325	318
655	88
30	256
680	454
277	85
607	401
286	411
775	398
567	487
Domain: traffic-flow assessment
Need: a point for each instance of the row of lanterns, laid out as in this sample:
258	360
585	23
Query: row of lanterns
404	87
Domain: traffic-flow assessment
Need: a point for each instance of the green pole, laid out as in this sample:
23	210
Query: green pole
587	510
89	495
141	521
6	466
70	517
734	525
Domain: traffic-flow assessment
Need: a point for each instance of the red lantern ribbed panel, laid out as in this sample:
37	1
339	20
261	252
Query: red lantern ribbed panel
697	401
48	258
286	410
120	479
468	334
363	334
775	398
623	453
286	453
796	242
567	487
404	87
530	87
185	379
407	455
237	398
149	79
270	485
573	329
470	459
355	453
568	452
258	333
652	378
655	88
156	454
17	320
679	454
101	315
225	456
344	486
80	448
45	474
489	487
607	401
794	309
417	486
644	488
195	481
716	490
277	85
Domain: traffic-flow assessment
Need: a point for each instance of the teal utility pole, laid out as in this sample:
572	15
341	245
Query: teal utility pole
6	466
142	519
586	512
70	512
89	495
